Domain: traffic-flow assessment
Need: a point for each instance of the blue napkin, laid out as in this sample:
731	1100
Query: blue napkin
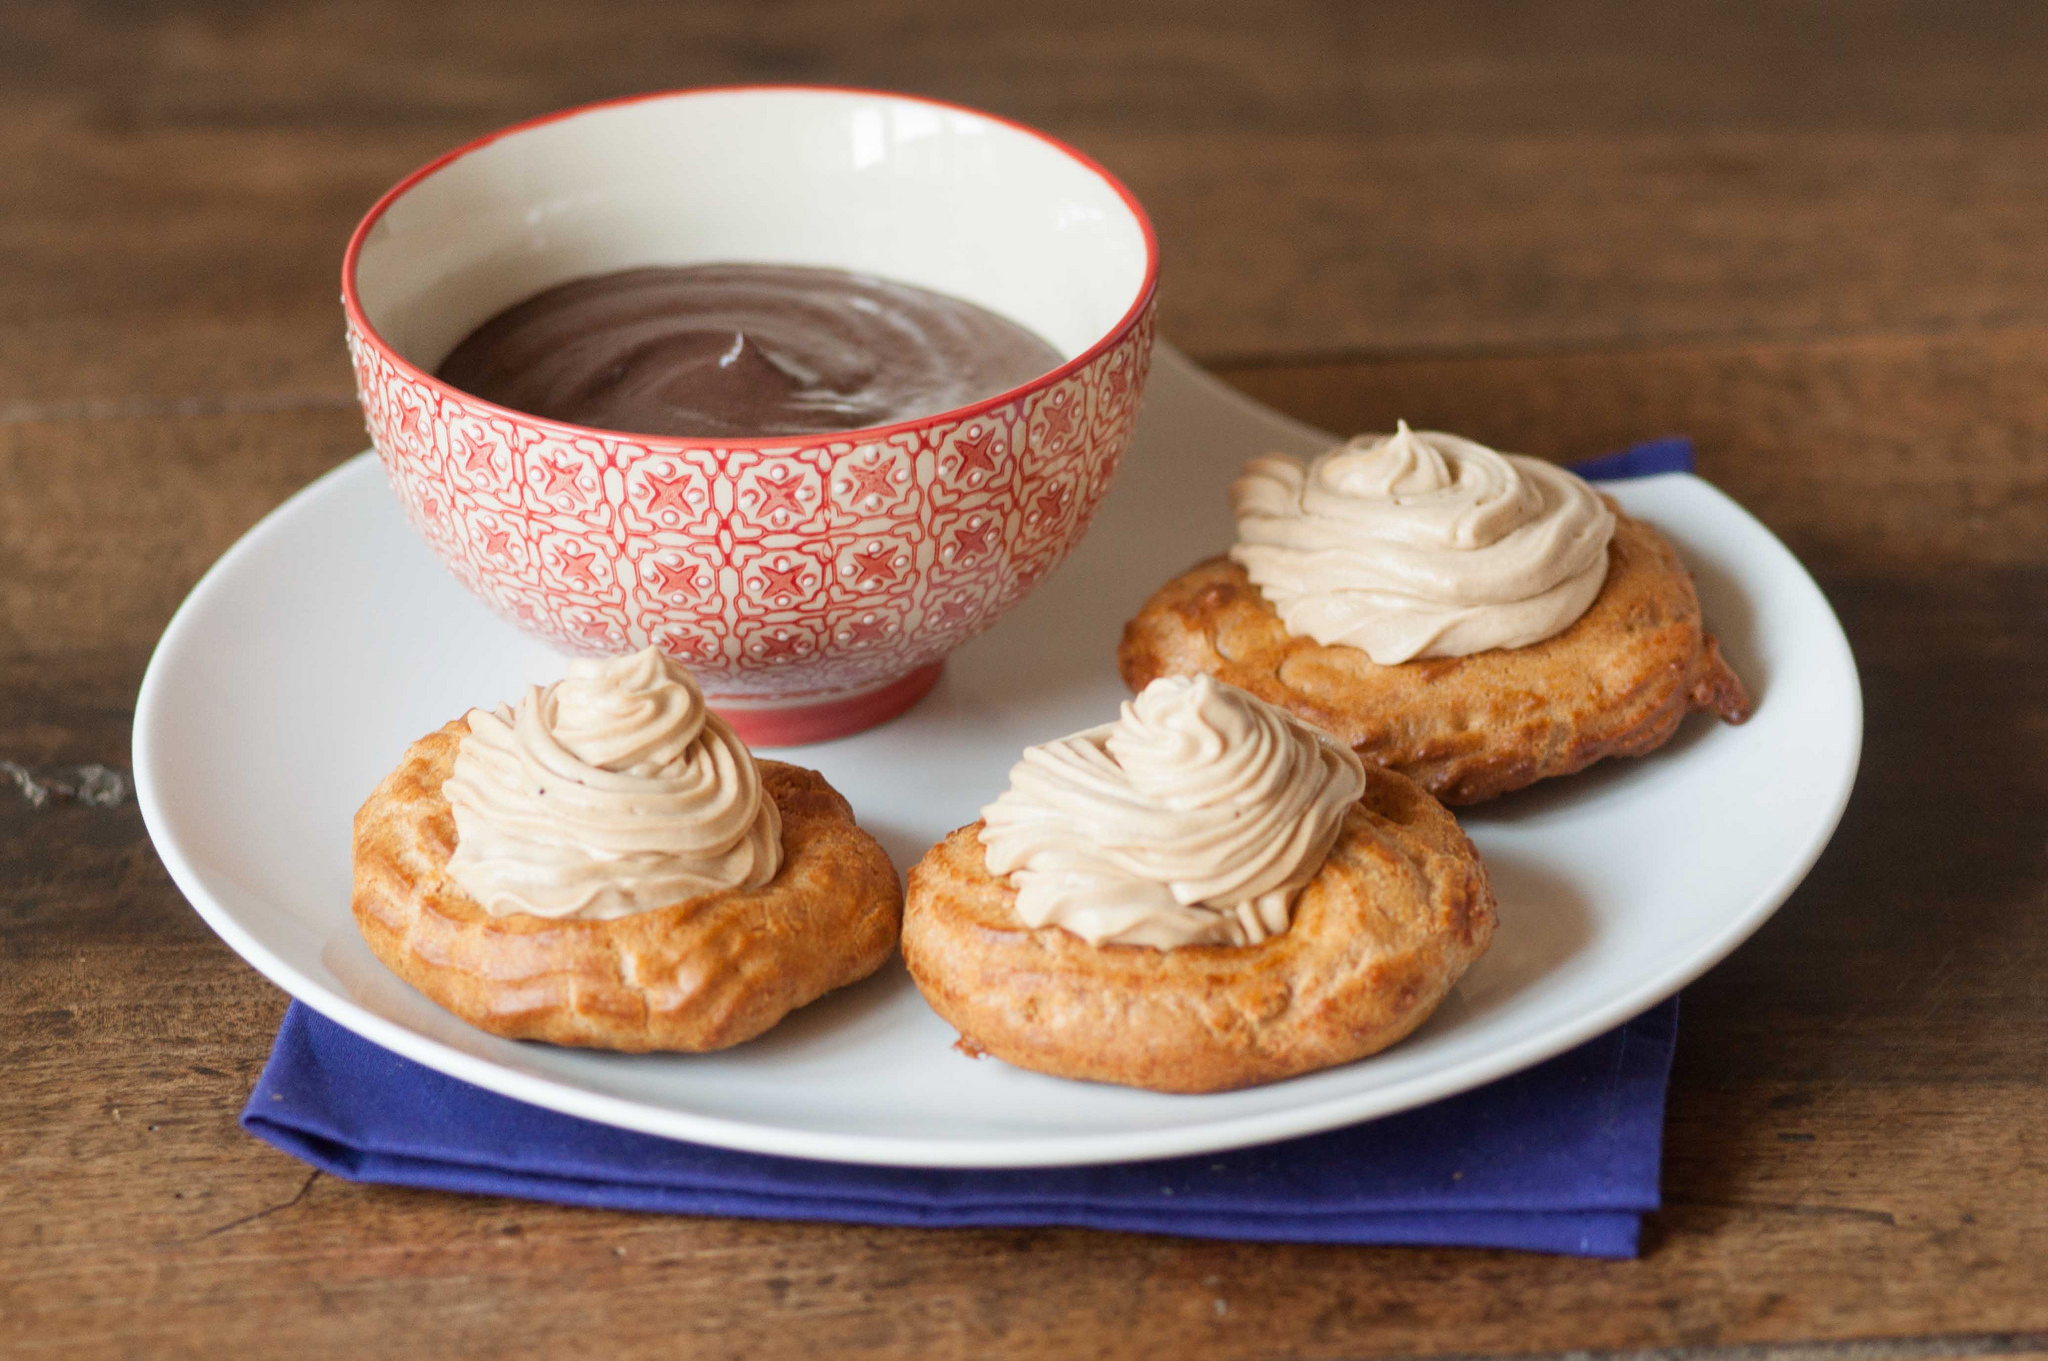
1669	455
1562	1157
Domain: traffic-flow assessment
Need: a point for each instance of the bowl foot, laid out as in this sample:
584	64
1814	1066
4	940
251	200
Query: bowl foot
821	719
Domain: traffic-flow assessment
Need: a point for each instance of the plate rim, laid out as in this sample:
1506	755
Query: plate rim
1017	1151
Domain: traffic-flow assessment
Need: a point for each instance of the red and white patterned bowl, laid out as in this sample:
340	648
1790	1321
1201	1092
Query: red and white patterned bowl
814	584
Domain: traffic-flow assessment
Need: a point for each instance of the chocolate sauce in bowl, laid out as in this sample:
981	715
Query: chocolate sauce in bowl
738	351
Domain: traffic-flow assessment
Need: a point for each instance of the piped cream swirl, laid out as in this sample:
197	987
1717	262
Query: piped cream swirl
1194	819
612	791
1421	544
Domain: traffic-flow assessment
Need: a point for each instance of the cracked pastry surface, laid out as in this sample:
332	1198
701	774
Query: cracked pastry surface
1616	682
1399	909
702	973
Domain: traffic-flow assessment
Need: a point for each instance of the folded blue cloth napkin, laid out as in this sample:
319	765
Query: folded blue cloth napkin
1560	1158
1670	455
1563	1157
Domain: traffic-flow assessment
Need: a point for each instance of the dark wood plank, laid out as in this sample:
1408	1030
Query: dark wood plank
106	524
1807	235
1888	452
1327	178
1851	1151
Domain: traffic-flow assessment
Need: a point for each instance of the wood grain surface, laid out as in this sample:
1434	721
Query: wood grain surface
1812	235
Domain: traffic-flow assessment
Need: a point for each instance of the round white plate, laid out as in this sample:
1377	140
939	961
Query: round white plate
328	639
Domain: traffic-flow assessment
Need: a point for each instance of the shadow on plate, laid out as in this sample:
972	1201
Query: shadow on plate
1613	778
1731	618
850	1019
905	845
1544	921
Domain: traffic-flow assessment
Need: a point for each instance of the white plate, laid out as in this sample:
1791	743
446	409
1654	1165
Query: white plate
329	638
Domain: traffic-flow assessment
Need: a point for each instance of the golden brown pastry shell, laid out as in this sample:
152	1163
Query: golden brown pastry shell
1617	682
702	974
1397	913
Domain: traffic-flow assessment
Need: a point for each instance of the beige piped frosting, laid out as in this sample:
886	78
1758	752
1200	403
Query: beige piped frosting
1421	544
610	792
1194	819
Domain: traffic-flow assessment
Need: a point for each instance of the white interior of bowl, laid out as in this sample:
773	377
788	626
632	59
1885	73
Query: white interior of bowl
925	194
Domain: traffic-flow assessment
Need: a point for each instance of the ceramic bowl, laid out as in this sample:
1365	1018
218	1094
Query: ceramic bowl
816	583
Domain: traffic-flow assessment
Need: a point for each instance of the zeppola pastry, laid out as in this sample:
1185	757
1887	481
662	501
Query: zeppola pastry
607	865
1206	894
1476	620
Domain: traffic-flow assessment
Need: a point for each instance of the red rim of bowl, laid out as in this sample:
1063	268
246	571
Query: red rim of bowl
352	304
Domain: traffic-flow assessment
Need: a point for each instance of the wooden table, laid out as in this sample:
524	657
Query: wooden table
1813	236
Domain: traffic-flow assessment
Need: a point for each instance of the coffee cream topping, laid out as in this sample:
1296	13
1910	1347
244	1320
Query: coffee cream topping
1421	544
1194	819
610	792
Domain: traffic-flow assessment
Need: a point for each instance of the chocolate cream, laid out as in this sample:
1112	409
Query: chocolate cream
739	350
